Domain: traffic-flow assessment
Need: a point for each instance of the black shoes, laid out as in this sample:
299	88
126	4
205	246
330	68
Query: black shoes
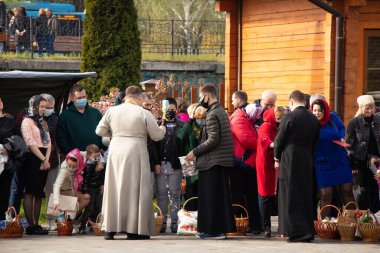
163	228
137	237
36	230
109	235
174	228
302	238
267	232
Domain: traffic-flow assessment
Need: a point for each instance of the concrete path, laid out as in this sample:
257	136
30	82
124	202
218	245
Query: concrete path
170	243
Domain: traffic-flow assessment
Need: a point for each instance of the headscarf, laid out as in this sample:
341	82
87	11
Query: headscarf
362	101
78	178
34	104
253	112
326	114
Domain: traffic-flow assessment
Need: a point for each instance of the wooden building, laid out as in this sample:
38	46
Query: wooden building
283	45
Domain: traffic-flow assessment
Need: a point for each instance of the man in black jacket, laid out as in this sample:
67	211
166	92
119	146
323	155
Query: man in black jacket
294	149
169	174
214	157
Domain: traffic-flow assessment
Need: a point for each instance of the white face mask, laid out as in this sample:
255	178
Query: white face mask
48	112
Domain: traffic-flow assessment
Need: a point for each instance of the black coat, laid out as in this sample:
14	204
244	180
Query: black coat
216	146
295	145
154	153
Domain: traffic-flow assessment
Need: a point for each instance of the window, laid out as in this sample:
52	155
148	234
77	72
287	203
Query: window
372	63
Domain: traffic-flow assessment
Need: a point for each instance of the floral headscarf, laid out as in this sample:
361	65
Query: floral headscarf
78	178
34	104
253	112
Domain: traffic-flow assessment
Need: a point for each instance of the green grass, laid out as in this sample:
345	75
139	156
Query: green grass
182	58
145	57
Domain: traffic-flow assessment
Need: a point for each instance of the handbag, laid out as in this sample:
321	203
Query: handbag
66	203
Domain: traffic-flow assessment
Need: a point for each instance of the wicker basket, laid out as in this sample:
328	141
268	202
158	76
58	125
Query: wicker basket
190	227
97	226
347	224
370	232
159	219
13	229
326	230
242	223
65	228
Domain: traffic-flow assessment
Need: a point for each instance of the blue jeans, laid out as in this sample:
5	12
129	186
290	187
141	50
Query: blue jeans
17	189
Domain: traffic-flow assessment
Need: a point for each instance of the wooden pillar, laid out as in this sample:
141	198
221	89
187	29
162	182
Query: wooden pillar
193	94
231	44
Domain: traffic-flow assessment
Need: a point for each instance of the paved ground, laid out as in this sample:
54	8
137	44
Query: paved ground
171	243
174	244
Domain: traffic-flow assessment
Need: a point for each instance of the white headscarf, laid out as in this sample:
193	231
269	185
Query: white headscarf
253	112
362	101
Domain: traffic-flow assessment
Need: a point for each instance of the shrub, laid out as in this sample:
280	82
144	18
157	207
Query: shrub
111	45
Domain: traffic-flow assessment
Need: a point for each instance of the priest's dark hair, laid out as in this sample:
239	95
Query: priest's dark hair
297	96
209	89
133	91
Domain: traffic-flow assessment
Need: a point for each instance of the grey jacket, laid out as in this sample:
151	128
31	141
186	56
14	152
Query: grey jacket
216	146
358	132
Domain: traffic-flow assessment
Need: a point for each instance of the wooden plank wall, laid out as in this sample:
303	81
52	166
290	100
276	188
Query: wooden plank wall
360	15
284	46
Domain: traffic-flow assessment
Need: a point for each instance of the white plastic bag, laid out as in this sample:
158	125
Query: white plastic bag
187	222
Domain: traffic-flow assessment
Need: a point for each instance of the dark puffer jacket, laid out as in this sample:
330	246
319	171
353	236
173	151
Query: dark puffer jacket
216	146
358	133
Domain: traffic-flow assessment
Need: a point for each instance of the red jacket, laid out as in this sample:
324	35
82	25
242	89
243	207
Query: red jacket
266	174
244	136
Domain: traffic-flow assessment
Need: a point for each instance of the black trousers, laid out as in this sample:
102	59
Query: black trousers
215	214
5	189
192	191
268	205
244	192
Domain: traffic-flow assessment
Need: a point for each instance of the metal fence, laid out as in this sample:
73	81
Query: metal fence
182	37
64	35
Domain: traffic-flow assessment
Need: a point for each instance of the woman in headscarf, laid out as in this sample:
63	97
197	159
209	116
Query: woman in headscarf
243	177
332	166
189	135
363	136
70	179
36	135
266	173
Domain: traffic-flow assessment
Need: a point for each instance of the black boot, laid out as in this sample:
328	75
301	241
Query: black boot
109	235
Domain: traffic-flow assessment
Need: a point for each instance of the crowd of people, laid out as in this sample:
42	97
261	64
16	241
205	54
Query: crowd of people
273	160
42	30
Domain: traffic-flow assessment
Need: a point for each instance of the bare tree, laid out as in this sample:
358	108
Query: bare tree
187	16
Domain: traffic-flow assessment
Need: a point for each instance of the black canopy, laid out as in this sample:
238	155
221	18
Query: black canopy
17	87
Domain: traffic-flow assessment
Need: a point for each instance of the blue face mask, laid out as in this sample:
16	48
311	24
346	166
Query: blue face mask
201	122
81	103
48	112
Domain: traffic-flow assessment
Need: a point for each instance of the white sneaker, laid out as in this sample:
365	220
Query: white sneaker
52	225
